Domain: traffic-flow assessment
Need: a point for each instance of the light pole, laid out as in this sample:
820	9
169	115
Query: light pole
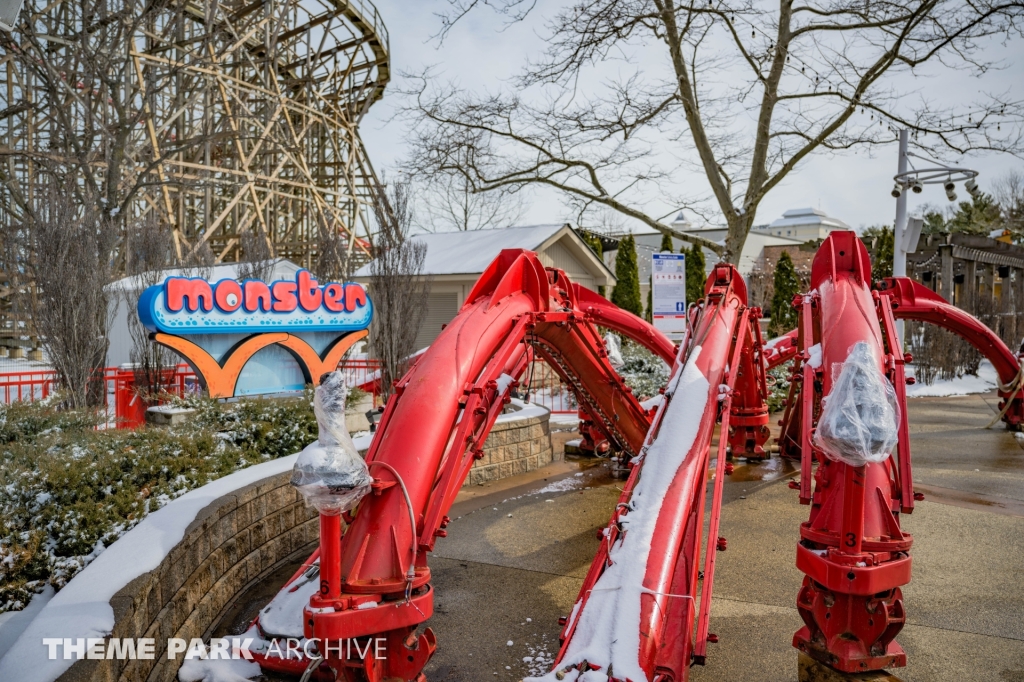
914	179
899	256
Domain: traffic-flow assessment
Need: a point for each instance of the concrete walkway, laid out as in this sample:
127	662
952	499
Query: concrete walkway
517	550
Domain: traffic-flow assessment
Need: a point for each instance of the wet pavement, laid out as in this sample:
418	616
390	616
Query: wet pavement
517	551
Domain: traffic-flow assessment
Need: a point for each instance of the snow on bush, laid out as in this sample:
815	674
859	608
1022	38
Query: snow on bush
642	370
68	490
778	386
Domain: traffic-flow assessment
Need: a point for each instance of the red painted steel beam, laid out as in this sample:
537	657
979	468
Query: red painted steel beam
913	301
606	314
852	550
781	349
664	600
430	432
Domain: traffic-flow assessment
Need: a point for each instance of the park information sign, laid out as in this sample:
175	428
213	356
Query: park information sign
278	336
668	284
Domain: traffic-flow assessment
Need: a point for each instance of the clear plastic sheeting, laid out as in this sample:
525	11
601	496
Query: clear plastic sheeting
611	344
329	473
859	421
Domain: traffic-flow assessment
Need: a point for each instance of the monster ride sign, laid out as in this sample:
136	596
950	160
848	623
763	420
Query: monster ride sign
251	337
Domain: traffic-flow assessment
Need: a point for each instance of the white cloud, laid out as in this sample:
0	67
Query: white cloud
481	53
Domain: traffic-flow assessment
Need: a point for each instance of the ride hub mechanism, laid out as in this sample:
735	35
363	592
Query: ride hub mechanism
644	610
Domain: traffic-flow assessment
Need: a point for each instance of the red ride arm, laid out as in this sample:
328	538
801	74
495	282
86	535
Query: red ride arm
913	301
432	429
606	314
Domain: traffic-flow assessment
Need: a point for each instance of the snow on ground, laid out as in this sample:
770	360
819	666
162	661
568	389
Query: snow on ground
82	608
282	617
540	658
565	418
13	623
608	632
559	486
233	670
984	382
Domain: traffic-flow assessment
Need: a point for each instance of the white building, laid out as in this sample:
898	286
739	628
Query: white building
803	224
455	261
648	243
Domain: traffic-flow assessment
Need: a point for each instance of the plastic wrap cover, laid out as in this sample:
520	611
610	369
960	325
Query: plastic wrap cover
860	418
329	473
611	344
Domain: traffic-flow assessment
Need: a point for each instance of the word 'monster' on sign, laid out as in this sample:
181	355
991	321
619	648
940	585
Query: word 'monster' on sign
197	306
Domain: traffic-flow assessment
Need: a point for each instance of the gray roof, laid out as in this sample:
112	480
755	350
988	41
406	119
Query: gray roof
806	216
469	253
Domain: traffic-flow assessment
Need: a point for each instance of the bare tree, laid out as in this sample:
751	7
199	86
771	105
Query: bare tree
72	253
82	65
1009	193
813	77
199	262
452	203
332	255
257	256
398	286
148	250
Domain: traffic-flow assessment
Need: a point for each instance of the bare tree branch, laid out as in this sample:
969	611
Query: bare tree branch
810	77
398	286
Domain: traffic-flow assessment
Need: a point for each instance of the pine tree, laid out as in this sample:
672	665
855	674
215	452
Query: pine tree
787	285
694	273
880	239
666	243
649	316
626	293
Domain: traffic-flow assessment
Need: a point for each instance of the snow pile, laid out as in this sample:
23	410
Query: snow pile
983	382
82	608
651	403
815	353
525	411
611	344
504	381
212	670
282	617
608	631
572	418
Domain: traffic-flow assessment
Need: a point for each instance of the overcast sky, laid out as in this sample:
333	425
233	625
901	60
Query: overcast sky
482	53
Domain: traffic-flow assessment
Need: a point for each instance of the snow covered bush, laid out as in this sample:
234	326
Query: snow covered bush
778	386
643	371
68	490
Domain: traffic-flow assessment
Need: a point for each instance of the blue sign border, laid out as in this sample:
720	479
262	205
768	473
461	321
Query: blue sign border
155	314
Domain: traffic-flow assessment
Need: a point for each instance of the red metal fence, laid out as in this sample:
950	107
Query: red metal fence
122	401
15	386
551	393
127	410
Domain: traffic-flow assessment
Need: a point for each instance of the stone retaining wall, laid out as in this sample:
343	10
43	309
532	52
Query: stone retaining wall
232	544
243	537
513	447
